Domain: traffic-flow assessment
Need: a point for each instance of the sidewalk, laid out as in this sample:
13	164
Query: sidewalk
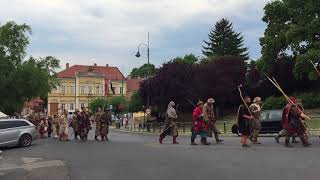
314	132
33	169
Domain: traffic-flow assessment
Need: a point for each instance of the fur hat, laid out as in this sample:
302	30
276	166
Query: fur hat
210	100
199	103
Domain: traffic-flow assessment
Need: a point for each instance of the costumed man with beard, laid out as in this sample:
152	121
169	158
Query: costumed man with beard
84	124
244	118
291	122
210	120
170	128
105	121
97	118
198	125
255	109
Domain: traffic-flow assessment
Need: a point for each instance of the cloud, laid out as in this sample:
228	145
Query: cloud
112	29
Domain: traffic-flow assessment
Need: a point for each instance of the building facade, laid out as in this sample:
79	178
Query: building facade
80	84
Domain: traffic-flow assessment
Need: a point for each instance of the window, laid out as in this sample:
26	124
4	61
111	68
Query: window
97	90
81	89
63	106
12	124
72	89
82	105
90	90
71	106
114	90
121	90
63	89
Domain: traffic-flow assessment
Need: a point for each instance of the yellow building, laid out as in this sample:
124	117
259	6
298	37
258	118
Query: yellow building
81	84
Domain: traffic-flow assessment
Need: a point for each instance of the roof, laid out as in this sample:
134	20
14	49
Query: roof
33	102
133	84
108	72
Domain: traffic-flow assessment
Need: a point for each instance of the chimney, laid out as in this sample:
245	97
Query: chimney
67	65
107	65
95	64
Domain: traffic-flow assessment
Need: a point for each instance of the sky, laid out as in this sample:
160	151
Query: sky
109	31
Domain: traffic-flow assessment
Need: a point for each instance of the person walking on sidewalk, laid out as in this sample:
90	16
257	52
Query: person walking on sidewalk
170	128
210	120
198	125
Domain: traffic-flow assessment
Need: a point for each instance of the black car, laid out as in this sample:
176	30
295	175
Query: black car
270	122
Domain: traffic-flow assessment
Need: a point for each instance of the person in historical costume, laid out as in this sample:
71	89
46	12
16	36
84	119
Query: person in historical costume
210	120
74	123
105	121
170	127
63	126
50	121
97	118
43	126
244	120
199	127
291	122
284	132
255	109
84	124
55	126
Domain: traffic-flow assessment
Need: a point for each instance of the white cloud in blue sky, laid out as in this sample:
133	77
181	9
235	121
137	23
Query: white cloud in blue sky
108	31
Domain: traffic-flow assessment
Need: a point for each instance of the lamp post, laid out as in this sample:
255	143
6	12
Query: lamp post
148	57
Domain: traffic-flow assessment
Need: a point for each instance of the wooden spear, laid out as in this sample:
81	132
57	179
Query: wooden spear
315	68
244	102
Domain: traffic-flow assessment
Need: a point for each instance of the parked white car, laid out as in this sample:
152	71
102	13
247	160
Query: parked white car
19	132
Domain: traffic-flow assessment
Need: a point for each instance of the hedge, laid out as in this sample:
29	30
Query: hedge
310	101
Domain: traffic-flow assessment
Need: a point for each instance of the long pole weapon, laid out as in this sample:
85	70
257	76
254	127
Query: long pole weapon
244	102
276	84
315	68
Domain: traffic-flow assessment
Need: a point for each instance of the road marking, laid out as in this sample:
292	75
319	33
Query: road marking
30	160
35	165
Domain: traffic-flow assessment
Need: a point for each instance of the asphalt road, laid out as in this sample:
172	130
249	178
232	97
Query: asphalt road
133	156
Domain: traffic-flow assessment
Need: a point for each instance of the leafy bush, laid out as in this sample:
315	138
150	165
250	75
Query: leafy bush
310	100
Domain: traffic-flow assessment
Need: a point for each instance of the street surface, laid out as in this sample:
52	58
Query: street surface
140	157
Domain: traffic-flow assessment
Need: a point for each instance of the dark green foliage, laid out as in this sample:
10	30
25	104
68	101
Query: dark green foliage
224	41
135	103
142	71
293	31
22	79
187	59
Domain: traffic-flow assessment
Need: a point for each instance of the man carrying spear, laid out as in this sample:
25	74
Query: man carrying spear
170	128
244	119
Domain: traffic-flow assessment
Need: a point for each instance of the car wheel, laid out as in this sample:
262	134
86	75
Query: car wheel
25	140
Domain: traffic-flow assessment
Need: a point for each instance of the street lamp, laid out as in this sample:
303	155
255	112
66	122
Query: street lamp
148	55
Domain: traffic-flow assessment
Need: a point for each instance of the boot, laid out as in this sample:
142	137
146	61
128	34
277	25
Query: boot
160	139
277	139
96	137
304	141
204	141
217	138
102	138
255	139
175	140
287	142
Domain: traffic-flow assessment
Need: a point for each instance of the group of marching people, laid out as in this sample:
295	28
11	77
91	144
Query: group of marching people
58	126
203	123
249	122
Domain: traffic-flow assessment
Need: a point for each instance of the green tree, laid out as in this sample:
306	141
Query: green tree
187	59
293	31
119	103
224	41
142	71
135	103
98	103
22	79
